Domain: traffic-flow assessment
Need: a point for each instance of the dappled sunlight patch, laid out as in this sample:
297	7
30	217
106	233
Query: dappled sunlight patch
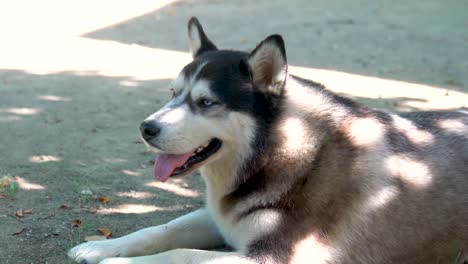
306	98
44	159
21	110
420	137
53	98
365	132
295	135
26	185
115	160
129	209
65	48
129	83
453	126
135	195
410	171
137	209
382	197
415	135
310	250
141	63
267	221
131	172
10	118
85	73
173	188
100	14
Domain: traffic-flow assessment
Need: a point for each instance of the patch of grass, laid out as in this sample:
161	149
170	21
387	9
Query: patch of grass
8	187
457	259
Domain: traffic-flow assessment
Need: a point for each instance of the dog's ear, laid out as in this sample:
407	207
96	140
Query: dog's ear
269	65
199	42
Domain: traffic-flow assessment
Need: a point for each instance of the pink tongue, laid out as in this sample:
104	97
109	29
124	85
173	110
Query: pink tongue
165	164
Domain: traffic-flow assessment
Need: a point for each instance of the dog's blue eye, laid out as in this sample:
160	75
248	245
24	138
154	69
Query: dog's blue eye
206	103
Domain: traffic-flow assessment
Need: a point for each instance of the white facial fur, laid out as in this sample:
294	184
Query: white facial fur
183	130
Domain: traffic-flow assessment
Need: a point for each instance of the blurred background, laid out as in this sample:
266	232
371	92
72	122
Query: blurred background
77	78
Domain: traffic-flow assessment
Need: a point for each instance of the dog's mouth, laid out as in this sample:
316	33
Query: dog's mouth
167	165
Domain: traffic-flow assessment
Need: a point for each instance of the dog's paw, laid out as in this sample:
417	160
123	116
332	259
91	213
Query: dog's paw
95	251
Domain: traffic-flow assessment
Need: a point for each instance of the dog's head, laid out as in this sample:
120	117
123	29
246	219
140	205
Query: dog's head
220	101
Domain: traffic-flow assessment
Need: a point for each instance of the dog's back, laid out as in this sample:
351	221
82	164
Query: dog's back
377	187
420	208
403	198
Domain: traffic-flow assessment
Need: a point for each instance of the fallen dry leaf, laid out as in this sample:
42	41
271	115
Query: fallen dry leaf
94	238
76	223
19	213
105	231
18	231
103	199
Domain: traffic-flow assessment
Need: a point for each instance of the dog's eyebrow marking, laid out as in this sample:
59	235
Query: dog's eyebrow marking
194	75
179	82
186	80
200	89
181	90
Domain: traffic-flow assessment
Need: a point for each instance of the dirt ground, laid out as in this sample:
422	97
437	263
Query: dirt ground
77	78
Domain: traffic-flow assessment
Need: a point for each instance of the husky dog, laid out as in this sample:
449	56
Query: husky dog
297	174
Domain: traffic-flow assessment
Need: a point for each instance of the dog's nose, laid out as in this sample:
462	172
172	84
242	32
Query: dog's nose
149	129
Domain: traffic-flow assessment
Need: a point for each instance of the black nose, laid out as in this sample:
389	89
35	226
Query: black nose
149	130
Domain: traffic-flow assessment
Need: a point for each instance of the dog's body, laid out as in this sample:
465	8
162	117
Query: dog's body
297	174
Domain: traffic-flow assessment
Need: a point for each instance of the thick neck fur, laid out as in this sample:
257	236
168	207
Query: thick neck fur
307	115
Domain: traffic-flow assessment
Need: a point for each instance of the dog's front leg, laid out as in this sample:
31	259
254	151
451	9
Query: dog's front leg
194	230
185	256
